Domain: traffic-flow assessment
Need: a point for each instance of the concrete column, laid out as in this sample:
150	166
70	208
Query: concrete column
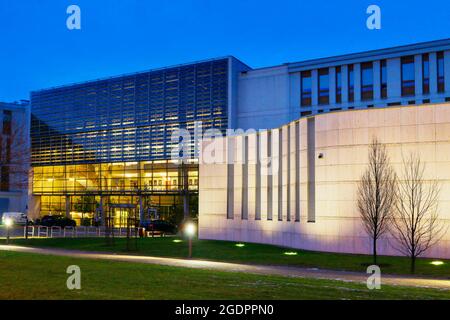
393	68
418	74
314	87
357	73
344	72
275	172
101	209
294	95
141	209
332	77
377	80
263	153
433	73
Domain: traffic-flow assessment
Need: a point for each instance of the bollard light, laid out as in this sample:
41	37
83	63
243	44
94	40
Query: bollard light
8	223
189	230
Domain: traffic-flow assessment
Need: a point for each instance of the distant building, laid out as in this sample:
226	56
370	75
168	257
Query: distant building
14	156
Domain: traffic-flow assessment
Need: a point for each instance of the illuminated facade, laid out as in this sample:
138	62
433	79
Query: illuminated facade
296	185
109	141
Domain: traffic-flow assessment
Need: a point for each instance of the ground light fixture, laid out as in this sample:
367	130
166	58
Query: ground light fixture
437	263
8	223
189	230
240	245
177	240
290	253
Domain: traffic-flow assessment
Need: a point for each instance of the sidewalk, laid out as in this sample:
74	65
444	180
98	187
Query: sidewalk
234	267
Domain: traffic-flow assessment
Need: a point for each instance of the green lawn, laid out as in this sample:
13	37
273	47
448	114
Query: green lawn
249	253
33	276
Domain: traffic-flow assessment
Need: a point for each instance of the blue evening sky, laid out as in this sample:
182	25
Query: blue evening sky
117	36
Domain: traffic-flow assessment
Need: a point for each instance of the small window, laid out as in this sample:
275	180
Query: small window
338	85
383	80
324	86
306	88
440	71
408	78
305	113
367	81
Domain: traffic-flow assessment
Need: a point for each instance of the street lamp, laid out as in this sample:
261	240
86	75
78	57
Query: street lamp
8	224
189	230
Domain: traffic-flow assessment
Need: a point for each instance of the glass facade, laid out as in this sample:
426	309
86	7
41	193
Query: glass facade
112	138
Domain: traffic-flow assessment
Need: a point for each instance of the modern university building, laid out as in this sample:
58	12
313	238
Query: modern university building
109	141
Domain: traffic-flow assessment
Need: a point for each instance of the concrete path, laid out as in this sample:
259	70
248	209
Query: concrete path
234	267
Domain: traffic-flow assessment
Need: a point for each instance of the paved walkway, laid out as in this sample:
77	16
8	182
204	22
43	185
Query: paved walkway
234	267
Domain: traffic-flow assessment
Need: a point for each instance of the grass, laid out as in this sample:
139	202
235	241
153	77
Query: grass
249	253
34	276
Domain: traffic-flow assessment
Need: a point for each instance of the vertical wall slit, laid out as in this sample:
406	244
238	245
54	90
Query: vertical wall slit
280	175
269	175
258	179
244	202
297	171
311	169
230	178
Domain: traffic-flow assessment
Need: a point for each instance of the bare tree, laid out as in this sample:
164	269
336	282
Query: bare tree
416	225
15	157
375	194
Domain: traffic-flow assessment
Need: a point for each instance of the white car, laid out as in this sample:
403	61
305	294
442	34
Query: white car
16	217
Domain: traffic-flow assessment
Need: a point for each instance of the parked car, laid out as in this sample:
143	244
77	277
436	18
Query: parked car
17	218
159	225
57	221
